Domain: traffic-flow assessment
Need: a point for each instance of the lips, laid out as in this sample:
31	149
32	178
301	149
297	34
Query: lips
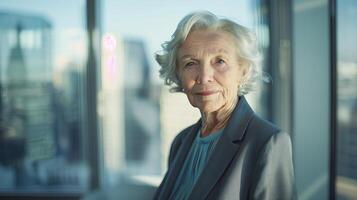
205	93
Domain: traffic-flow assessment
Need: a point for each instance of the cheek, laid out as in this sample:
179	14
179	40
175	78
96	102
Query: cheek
230	85
187	81
191	99
230	91
187	86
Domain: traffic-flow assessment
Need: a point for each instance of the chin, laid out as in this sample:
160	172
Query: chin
206	106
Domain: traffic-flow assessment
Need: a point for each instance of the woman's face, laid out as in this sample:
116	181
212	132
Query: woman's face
209	69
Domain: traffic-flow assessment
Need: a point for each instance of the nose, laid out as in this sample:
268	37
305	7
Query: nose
205	74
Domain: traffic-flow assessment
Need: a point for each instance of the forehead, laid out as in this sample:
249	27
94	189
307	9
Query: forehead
209	42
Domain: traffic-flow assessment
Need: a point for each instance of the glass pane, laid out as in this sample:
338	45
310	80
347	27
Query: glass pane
311	98
139	116
42	56
346	99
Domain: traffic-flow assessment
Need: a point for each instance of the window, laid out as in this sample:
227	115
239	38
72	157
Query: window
346	29
42	58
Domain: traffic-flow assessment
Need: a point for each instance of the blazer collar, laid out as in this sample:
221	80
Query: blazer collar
239	120
224	152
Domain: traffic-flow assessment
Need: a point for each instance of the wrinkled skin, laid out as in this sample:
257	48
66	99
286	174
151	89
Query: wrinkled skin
210	72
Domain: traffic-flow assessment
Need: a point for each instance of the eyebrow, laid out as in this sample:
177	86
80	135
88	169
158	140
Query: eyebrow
211	52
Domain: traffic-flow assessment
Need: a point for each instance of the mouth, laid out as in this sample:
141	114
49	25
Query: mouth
205	93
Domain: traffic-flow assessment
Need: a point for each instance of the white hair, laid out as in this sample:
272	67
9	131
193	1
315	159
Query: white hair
245	43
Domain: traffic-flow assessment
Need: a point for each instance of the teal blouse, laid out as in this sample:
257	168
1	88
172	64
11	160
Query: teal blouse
194	164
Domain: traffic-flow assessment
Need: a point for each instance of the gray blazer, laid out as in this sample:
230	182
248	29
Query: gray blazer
252	160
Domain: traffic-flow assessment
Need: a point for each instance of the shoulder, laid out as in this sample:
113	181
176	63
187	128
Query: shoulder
259	124
181	136
263	134
273	170
270	139
178	140
261	129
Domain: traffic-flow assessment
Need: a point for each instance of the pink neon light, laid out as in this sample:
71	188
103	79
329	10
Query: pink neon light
111	65
109	42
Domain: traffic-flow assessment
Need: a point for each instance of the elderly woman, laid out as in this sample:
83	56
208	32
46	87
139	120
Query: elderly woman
230	153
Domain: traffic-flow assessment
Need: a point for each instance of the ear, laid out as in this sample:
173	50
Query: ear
244	67
243	70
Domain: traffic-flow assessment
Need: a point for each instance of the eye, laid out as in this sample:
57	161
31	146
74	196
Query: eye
189	64
221	61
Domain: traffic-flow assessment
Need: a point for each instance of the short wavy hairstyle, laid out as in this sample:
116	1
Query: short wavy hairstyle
203	20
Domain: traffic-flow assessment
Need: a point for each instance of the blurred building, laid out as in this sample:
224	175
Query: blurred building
129	110
347	115
40	124
142	111
27	94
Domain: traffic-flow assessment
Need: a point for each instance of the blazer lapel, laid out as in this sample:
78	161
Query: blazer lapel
179	161
225	150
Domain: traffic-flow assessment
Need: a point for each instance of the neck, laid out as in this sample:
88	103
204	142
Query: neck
217	120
